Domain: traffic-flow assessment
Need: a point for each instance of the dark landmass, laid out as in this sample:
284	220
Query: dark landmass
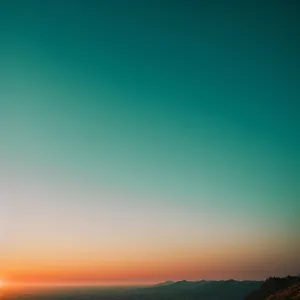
276	288
180	290
290	293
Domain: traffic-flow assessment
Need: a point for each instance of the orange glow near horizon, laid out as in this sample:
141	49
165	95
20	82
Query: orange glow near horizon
45	284
213	263
213	266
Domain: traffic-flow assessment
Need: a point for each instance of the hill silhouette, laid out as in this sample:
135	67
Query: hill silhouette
180	290
168	282
277	288
273	288
208	290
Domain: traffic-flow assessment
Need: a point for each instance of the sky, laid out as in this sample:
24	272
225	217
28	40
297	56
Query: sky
144	141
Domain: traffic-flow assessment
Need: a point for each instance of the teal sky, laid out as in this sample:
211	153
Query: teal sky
116	115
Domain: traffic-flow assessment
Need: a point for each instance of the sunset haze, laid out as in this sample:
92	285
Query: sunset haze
144	141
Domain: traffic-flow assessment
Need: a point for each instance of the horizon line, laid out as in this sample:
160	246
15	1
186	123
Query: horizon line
106	283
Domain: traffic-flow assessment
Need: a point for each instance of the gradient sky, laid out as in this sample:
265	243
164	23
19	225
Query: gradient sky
149	140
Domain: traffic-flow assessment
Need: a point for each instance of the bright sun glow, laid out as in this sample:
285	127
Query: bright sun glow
1	283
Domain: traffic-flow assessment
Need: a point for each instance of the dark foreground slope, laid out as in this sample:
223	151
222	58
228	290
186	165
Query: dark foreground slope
275	288
181	290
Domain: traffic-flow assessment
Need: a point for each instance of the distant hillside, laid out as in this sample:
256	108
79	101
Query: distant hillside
180	290
276	288
195	290
165	283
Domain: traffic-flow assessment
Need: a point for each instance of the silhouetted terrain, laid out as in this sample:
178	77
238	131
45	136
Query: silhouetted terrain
275	288
290	293
181	290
